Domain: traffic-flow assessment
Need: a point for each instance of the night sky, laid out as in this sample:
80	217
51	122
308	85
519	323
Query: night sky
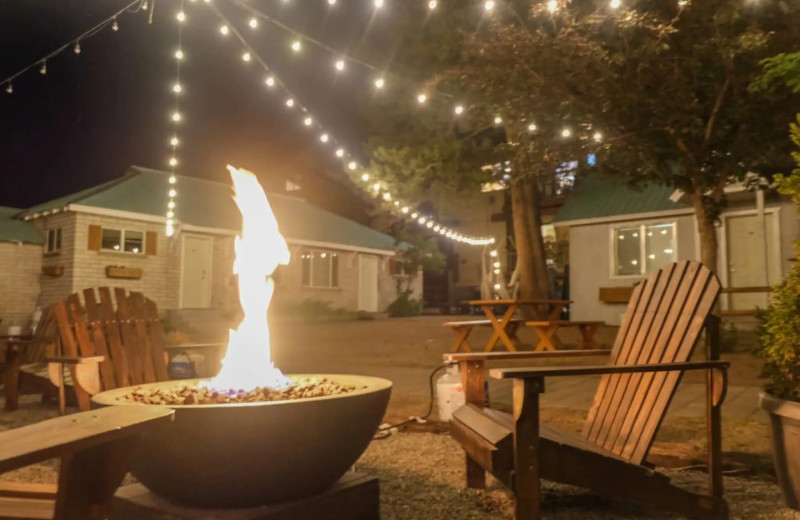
94	114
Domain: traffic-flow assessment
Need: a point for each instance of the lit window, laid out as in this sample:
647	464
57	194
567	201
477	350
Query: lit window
320	268
53	240
641	249
122	240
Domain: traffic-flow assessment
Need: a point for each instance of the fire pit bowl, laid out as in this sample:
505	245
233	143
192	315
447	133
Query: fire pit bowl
249	454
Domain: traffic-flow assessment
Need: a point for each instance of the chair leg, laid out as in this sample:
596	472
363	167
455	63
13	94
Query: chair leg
11	378
88	479
527	487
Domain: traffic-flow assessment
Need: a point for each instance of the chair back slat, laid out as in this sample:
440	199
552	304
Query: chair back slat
98	336
662	324
155	335
108	317
136	307
129	339
46	334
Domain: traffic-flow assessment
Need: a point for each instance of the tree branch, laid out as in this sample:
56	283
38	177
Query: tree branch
717	107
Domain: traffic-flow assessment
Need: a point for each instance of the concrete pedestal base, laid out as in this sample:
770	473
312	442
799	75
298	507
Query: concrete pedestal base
354	497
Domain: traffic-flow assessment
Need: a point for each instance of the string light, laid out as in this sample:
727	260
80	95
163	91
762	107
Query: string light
224	30
179	54
246	56
566	132
489	5
115	26
339	65
176	88
458	110
498	120
378	4
331	2
422	98
176	117
270	81
614	4
377	188
296	46
174	141
432	4
43	68
253	23
552	6
77	48
597	136
532	127
9	89
181	16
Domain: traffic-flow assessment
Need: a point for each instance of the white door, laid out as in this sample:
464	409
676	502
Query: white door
196	272
368	283
753	255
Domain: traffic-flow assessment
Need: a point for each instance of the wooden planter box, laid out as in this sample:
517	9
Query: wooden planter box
53	270
130	273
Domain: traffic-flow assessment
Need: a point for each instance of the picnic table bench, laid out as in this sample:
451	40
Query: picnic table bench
546	331
463	329
96	449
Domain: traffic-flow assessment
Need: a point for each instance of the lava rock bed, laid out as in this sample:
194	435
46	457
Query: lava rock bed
191	394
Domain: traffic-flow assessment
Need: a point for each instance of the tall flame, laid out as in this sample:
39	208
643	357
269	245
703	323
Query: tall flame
259	250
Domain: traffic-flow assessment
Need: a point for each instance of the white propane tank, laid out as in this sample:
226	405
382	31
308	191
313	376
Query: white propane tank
449	393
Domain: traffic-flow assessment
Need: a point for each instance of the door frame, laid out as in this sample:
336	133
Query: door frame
209	239
722	240
377	259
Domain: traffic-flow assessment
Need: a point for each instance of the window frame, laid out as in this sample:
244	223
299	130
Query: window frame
58	236
303	257
642	246
121	249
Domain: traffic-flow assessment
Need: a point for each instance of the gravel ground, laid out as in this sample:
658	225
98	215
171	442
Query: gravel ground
422	478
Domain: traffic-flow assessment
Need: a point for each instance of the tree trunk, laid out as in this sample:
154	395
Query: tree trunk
531	259
709	246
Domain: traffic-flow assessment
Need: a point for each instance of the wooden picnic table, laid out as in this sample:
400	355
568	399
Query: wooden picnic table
543	310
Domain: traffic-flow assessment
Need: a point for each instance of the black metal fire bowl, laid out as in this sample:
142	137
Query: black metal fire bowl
249	454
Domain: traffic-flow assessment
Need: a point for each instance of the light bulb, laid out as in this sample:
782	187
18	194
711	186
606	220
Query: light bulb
246	57
115	26
270	81
378	3
224	30
552	6
422	98
174	141
179	54
173	161
253	23
379	83
339	65
498	120
421	220
458	110
170	214
429	224
181	16
489	5
172	179
376	186
566	132
497	271
296	46
387	196
414	215
324	138
531	127
437	228
171	204
352	165
405	209
43	68
176	88
340	152
77	48
597	136
144	5
432	4
497	287
365	177
614	4
307	121
9	89
176	116
496	264
290	102
331	2
493	253
172	193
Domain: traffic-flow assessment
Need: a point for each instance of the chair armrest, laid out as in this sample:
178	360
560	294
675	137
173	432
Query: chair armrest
75	360
195	345
502	356
542	372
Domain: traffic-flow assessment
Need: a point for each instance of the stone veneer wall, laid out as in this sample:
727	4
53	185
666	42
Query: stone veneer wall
20	269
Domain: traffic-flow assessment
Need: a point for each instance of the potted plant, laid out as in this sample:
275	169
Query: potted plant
779	347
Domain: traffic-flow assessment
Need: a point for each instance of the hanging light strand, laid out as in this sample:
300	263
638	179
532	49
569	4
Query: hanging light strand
368	182
73	44
175	119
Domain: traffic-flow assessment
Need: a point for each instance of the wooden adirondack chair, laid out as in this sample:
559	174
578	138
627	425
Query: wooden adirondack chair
96	449
664	319
106	346
35	349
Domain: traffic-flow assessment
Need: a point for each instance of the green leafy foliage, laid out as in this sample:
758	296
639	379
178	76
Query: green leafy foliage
779	325
405	305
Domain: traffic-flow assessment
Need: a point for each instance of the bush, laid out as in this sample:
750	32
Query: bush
405	305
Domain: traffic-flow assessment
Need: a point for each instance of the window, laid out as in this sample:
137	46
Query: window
123	240
643	248
53	240
320	268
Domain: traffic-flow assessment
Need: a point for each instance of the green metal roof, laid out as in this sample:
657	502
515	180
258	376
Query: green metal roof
598	197
210	204
15	230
